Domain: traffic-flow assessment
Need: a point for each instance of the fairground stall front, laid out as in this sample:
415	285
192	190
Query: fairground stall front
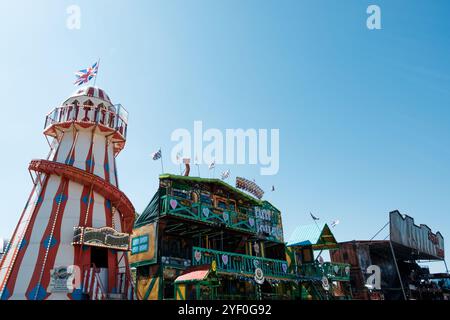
203	239
397	268
318	279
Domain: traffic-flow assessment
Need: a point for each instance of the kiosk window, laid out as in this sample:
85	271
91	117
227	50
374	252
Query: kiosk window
139	244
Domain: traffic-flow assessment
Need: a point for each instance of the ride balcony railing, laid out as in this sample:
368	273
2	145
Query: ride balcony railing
331	270
240	263
115	118
186	208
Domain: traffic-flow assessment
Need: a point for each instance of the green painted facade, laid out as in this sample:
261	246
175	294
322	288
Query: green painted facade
206	223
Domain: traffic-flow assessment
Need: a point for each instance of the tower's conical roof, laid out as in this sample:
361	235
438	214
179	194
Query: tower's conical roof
91	91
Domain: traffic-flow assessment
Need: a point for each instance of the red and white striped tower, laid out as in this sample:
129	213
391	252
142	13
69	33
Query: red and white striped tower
75	188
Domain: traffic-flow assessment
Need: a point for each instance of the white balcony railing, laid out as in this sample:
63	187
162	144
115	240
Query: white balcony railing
115	118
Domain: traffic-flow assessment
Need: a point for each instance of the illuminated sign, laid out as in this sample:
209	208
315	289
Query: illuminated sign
249	186
103	237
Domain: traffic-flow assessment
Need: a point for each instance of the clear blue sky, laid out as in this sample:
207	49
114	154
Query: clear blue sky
363	115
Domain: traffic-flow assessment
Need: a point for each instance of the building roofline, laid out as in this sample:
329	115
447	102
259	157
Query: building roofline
218	182
364	241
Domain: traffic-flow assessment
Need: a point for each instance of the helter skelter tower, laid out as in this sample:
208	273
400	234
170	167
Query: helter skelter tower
73	236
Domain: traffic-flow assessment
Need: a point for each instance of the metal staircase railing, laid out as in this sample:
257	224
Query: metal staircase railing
92	284
125	285
315	289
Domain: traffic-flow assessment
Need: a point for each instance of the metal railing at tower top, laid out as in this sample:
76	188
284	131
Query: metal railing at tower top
113	117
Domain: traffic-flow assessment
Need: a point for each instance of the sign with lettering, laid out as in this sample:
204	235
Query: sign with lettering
263	214
374	278
64	279
101	237
267	223
404	231
249	186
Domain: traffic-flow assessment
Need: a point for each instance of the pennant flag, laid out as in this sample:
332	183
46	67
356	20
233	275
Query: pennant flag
212	165
157	155
180	158
273	188
335	223
314	217
86	75
226	174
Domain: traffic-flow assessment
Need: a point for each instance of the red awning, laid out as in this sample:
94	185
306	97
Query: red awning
196	275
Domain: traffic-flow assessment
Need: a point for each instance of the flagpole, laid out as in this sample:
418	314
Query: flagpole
162	165
318	228
315	222
96	75
179	163
198	167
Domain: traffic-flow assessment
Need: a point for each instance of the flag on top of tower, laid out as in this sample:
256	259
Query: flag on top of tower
86	75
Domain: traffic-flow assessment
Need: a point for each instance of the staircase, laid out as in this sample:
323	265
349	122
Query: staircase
92	284
116	296
314	289
95	289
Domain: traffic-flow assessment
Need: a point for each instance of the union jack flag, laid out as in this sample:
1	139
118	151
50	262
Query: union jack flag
86	75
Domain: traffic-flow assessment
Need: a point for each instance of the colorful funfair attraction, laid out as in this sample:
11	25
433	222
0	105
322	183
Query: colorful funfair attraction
198	238
72	239
201	238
